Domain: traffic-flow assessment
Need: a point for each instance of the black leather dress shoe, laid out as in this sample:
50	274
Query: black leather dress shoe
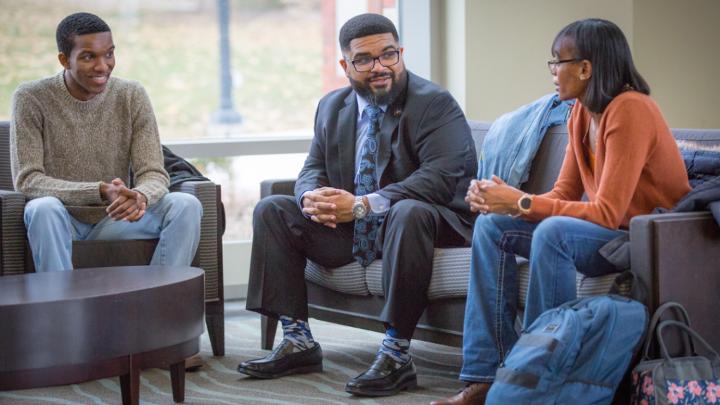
383	378
282	361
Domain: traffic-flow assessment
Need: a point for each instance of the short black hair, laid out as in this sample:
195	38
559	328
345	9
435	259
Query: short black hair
77	24
363	25
613	71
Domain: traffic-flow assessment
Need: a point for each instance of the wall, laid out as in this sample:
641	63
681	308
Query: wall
497	62
454	76
508	45
677	49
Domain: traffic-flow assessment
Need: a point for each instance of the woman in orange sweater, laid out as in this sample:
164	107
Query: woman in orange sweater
620	153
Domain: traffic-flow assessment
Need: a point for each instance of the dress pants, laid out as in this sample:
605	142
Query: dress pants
283	239
175	220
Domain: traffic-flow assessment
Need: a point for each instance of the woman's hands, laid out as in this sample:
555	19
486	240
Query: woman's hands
493	196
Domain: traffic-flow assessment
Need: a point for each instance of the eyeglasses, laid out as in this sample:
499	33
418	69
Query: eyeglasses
367	63
553	64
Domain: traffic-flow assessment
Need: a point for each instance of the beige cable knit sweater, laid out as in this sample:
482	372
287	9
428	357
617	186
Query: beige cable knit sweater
63	147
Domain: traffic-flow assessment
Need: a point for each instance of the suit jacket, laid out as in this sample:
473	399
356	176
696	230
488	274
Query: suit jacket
425	153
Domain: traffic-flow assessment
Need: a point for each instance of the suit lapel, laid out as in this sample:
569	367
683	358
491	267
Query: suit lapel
346	128
389	124
391	119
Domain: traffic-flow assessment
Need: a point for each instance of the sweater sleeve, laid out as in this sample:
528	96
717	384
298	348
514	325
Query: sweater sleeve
627	139
27	158
146	157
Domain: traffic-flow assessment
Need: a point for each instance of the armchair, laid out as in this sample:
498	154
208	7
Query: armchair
676	256
16	258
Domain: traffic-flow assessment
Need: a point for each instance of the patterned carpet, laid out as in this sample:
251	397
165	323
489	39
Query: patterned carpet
347	351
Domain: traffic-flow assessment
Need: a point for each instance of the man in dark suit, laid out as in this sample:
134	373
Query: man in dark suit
386	178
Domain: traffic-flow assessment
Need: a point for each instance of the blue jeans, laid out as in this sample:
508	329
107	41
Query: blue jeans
556	247
175	219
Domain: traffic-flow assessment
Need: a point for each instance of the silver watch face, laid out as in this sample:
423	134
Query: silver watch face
359	210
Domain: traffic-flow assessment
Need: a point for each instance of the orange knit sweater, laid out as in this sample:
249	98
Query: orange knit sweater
638	166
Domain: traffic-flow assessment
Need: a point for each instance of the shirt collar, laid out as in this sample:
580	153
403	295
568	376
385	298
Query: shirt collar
362	103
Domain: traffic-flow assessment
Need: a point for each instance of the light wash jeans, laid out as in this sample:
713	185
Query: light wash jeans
175	219
556	247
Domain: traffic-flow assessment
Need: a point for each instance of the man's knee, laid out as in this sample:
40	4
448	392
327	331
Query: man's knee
411	213
270	207
184	204
44	208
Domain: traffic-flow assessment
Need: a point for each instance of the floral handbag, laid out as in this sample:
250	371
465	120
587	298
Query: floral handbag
690	379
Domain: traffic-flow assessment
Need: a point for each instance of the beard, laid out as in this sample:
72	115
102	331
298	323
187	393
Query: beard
382	96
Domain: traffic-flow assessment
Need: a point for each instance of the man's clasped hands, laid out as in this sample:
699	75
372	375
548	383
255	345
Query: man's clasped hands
125	204
328	206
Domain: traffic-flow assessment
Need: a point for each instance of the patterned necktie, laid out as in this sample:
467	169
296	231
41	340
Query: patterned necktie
364	250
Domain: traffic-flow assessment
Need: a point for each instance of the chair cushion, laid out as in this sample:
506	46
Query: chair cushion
449	279
348	279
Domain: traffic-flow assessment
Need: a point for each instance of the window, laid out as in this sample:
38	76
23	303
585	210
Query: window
172	48
283	58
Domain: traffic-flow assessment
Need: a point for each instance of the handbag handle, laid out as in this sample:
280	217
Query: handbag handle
689	332
688	343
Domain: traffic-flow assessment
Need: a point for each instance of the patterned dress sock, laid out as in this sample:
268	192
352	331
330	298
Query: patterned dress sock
395	347
298	332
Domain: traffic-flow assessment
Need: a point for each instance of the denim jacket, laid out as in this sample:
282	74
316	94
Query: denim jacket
514	138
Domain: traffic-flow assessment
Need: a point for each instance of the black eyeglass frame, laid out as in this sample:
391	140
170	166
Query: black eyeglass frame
553	64
377	58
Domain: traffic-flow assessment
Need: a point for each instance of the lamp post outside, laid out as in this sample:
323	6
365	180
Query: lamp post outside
227	113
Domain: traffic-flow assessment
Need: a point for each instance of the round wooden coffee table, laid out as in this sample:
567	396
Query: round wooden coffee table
72	326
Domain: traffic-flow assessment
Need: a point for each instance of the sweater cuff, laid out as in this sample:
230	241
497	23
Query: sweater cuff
541	208
153	192
90	194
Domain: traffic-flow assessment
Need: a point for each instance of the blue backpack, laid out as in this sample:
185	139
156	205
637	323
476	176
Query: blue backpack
574	354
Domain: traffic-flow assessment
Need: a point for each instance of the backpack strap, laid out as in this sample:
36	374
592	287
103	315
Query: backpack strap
621	279
519	378
638	290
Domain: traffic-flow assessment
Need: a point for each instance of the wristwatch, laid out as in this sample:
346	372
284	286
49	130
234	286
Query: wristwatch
525	203
359	210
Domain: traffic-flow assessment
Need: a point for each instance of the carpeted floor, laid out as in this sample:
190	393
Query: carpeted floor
347	351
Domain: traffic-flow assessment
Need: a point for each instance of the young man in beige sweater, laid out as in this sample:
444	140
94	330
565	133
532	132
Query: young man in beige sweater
74	138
